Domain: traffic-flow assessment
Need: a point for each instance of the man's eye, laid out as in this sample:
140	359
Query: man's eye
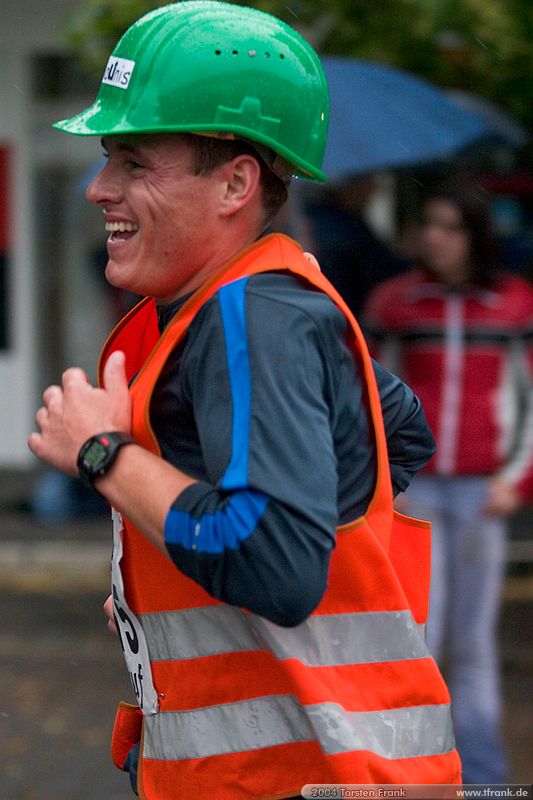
132	165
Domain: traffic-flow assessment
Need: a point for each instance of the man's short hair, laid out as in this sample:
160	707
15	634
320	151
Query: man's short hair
210	152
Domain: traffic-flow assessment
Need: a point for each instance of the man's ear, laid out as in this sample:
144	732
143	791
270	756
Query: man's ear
240	184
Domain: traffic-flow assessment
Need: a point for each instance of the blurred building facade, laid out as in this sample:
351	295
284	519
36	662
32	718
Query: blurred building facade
52	302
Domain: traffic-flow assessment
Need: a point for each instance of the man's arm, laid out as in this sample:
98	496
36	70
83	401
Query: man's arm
410	441
245	544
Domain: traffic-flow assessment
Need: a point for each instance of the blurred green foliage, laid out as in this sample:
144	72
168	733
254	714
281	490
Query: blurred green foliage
482	46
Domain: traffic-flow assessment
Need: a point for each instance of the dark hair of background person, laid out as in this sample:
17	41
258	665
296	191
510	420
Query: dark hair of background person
473	205
210	152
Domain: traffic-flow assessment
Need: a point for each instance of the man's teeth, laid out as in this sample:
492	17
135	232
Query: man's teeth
115	227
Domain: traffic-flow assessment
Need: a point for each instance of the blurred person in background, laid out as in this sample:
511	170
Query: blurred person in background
351	255
458	330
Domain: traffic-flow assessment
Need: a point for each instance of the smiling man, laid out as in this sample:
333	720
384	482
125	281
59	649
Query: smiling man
269	628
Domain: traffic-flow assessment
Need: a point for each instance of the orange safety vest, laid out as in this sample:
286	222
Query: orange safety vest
248	709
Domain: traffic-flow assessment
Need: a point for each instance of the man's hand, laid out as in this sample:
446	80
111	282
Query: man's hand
76	411
502	499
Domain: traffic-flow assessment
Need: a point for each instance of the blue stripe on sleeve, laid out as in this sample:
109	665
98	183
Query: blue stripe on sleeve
232	307
225	528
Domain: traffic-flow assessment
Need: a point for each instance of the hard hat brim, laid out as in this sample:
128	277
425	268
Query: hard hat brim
92	122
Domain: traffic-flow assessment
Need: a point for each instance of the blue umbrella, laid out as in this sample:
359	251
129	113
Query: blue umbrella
503	129
383	118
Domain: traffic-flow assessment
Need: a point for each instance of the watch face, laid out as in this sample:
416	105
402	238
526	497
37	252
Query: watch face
95	454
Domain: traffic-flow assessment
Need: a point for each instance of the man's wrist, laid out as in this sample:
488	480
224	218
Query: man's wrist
98	454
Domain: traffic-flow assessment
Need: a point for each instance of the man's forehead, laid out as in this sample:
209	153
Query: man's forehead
133	142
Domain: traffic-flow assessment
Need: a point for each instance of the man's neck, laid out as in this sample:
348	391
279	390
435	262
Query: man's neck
210	268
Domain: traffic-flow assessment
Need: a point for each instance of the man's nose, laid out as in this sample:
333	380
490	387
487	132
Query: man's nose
105	186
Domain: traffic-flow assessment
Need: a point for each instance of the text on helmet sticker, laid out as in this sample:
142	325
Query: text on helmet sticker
118	72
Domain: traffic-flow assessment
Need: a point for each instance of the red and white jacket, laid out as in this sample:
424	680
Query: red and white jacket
468	355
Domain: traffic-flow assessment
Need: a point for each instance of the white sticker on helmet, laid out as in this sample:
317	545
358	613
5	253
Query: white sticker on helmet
118	72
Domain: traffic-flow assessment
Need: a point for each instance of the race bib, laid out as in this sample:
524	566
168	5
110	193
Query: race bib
131	634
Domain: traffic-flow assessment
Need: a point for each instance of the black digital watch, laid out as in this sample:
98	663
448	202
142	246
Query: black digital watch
99	452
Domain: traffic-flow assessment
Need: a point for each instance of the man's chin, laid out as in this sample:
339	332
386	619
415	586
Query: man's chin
117	275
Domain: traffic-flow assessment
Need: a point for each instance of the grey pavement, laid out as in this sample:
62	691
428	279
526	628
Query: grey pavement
61	672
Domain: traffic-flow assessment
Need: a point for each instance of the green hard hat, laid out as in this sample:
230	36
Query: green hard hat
215	68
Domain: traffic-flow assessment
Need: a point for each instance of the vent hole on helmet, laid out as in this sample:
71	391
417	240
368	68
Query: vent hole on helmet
251	53
267	55
218	52
235	52
281	56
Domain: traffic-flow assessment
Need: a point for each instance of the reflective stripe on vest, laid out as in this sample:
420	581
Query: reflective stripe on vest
329	640
269	721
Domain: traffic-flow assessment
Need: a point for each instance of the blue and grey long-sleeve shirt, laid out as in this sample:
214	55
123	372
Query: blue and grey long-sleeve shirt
263	403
